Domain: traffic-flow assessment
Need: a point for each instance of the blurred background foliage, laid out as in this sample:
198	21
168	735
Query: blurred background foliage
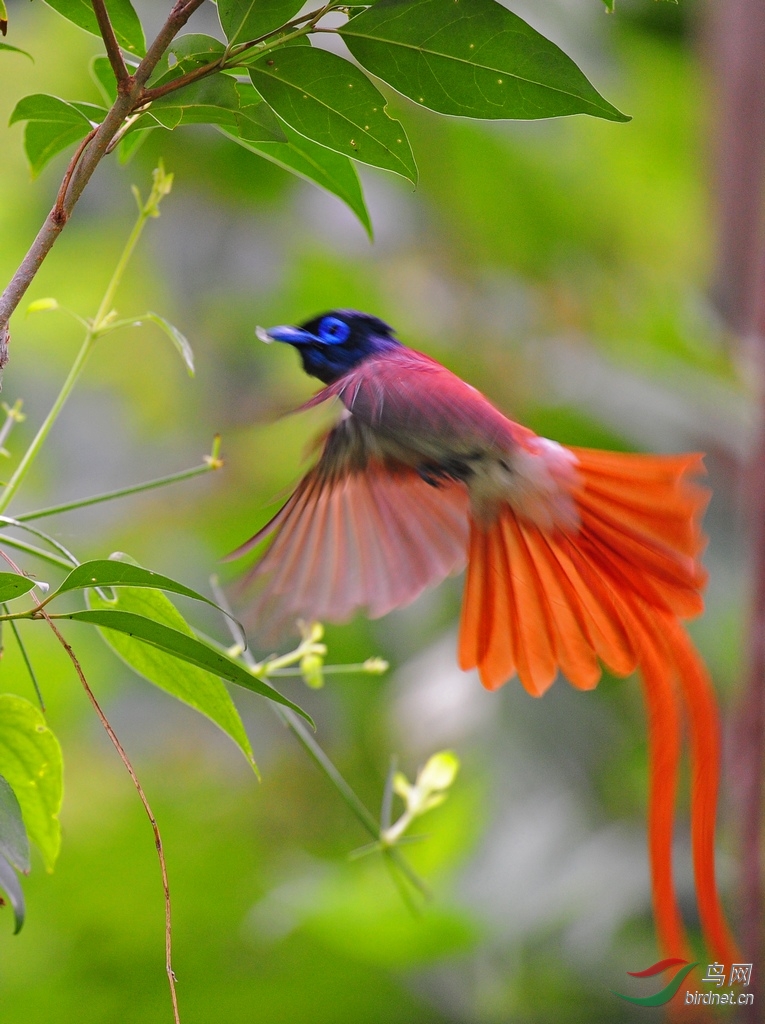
562	268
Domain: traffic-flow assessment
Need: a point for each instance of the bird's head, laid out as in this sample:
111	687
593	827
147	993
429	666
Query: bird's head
332	344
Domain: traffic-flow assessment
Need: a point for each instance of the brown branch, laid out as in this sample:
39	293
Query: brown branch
113	51
91	156
177	18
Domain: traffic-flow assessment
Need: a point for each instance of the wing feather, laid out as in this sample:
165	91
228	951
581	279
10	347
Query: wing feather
360	532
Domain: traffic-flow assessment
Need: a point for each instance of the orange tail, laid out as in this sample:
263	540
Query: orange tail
612	593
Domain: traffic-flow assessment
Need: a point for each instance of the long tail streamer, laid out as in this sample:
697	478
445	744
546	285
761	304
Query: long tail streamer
613	593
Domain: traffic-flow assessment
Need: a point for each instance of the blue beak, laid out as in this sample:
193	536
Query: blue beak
290	335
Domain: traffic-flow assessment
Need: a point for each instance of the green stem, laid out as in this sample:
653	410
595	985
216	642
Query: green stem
212	462
27	662
99	326
317	755
32	451
30	549
13	415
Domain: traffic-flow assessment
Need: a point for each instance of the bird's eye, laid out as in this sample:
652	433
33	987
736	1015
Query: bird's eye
333	331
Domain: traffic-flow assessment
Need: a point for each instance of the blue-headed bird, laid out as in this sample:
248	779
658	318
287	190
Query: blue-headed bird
576	558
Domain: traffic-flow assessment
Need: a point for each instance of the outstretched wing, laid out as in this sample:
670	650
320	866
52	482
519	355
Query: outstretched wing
360	532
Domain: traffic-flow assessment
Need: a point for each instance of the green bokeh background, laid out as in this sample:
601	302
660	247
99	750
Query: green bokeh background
562	268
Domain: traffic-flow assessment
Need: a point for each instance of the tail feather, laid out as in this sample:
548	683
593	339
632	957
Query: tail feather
664	735
613	591
704	729
663	574
610	636
501	642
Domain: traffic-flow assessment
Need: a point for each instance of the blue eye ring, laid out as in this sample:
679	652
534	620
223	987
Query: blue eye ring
333	331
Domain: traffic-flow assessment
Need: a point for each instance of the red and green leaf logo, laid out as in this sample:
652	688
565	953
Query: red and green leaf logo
670	990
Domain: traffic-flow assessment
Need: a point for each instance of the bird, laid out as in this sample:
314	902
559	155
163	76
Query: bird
575	559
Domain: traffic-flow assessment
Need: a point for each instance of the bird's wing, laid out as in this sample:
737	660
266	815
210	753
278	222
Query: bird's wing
359	532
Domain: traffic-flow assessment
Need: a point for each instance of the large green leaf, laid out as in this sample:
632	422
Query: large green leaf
30	760
257	122
52	125
182	646
12	584
327	99
125	22
14	844
245	20
313	163
473	58
120	572
202	691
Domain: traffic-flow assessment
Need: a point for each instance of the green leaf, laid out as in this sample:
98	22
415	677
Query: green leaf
10	883
43	306
52	125
179	340
190	51
327	99
609	6
330	171
213	100
3	18
218	100
195	687
15	49
245	20
193	50
186	648
13	584
129	144
256	121
473	58
117	571
125	22
14	844
102	74
30	760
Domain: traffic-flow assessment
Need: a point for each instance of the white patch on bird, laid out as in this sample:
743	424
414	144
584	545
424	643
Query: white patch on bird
545	481
537	480
262	335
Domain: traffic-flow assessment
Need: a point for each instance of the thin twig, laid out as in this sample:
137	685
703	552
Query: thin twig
146	806
210	465
113	51
59	209
303	21
177	18
36	552
148	95
139	789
